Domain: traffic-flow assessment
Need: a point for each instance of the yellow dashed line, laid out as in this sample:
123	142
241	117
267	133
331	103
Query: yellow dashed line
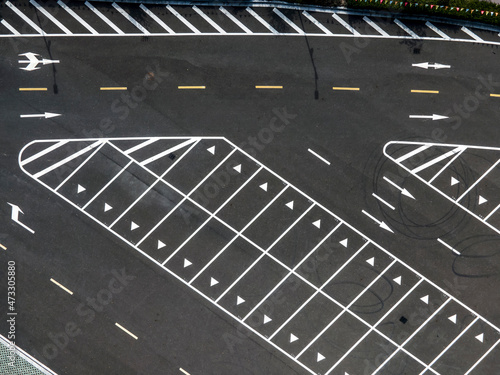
268	87
346	88
425	91
191	87
495	95
113	88
33	89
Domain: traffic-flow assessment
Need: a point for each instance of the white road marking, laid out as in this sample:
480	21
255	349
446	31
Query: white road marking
235	20
209	20
261	20
139	146
380	223
438	159
130	19
434	117
492	212
319	156
43	152
126	331
184	371
437	31
8	26
77	17
478	180
183	20
169	151
406	29
404	191
426	65
288	21
157	19
25	18
412	153
50	17
384	202
345	24
62	286
104	18
484	356
318	24
448	246
375	26
41	115
471	34
448	164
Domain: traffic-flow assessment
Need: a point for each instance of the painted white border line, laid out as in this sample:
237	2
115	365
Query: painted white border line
183	20
129	18
209	20
184	371
169	151
406	29
262	21
104	18
25	18
471	34
77	17
483	357
376	27
478	180
448	246
43	152
319	156
437	31
62	286
157	19
11	28
288	21
126	330
317	23
50	17
345	24
235	20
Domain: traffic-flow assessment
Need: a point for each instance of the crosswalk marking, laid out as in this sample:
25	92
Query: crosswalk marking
437	31
375	26
345	24
25	18
183	20
129	17
235	20
209	20
77	17
262	21
315	22
157	19
50	17
104	18
11	29
406	29
288	21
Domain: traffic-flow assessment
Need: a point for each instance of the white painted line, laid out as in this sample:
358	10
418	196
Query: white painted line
450	345
8	26
261	20
169	151
483	357
130	19
209	20
478	180
157	19
345	24
107	185
77	17
288	21
447	164
80	166
375	26
25	18
412	153
384	202
104	18
50	17
318	24
43	152
235	20
66	160
3	247
319	156
62	286
126	330
448	246
492	212
139	146
406	29
471	34
184	371
183	20
438	159
437	31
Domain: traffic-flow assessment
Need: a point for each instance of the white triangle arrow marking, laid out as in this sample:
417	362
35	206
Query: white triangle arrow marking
213	281
293	338
80	188
453	318
317	224
211	150
133	226
187	263
238	168
371	261
290	205
266	319
264	186
482	200
344	242
107	207
454	181
397	280
425	299
239	300
480	337
320	357
161	244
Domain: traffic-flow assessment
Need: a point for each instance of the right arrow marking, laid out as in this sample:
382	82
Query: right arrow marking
403	191
381	224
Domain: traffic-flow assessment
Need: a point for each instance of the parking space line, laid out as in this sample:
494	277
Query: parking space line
62	286
288	21
183	20
169	151
437	31
157	19
115	88
191	87
471	34
33	89
126	331
43	152
447	164
412	153
478	180
425	91
383	201
319	156
242	274
24	17
11	28
209	20
104	18
448	246
80	166
238	234
3	247
315	22
50	17
77	17
345	88
107	185
492	212
438	159
139	146
66	160
346	308
345	24
450	345
482	357
375	26
130	19
406	29
262	21
235	20
212	215
184	371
